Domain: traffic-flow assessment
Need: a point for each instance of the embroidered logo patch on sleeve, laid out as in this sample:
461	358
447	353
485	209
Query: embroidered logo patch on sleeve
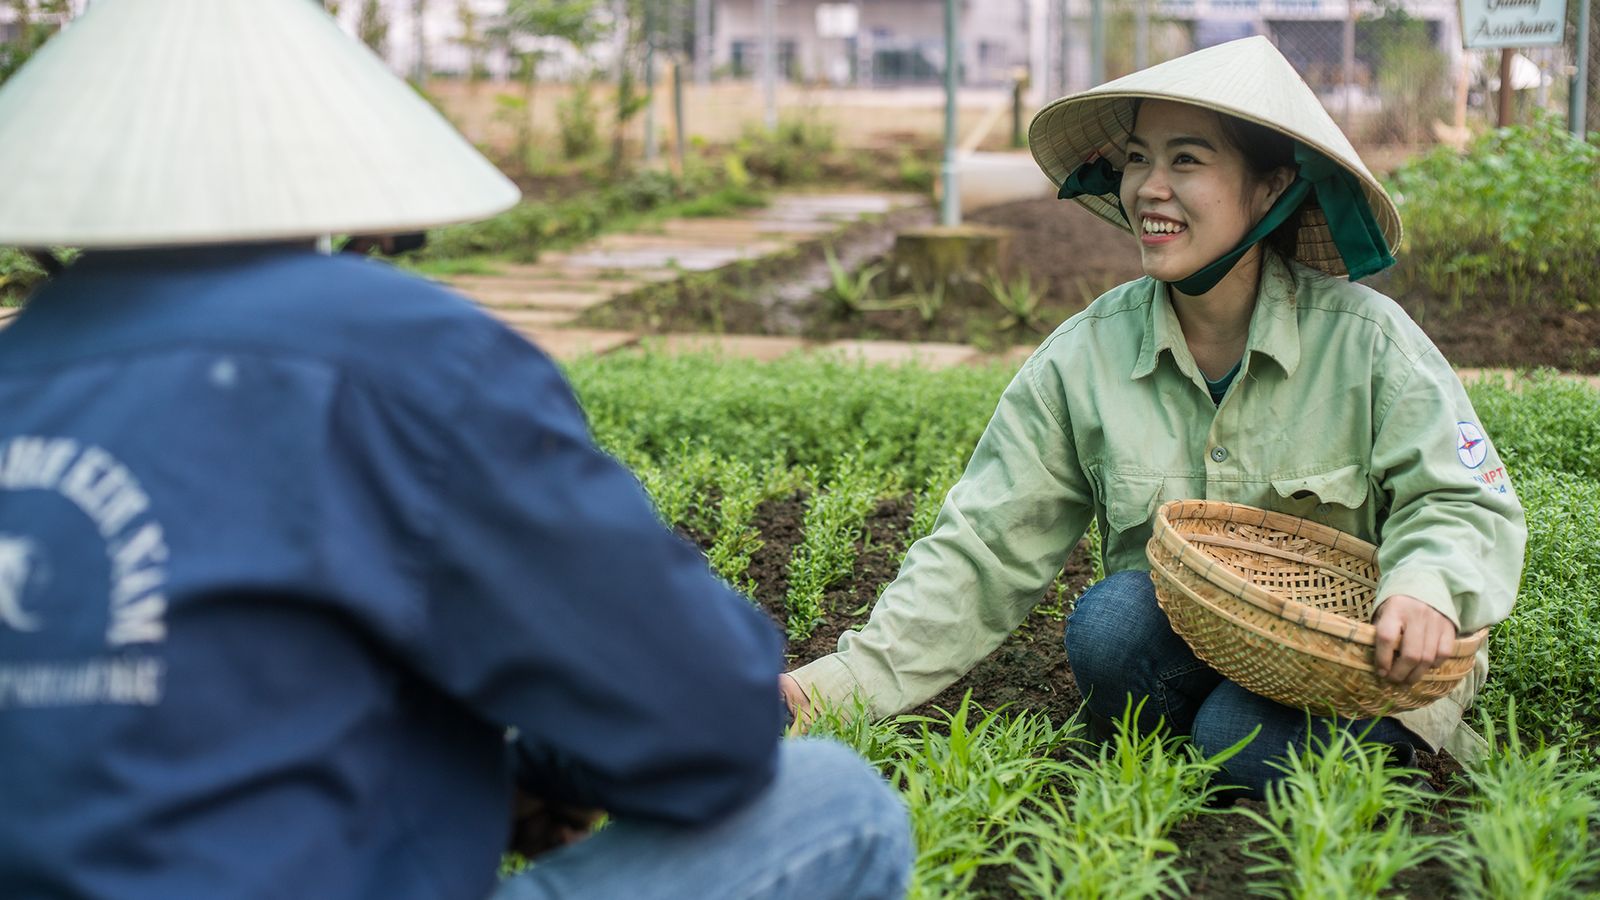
1471	446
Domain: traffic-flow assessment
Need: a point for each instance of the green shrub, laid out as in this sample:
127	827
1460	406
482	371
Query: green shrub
530	227
1547	653
914	173
578	120
1513	215
791	154
1545	421
807	412
19	274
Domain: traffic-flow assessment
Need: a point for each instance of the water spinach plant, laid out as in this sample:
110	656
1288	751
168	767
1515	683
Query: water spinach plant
1008	802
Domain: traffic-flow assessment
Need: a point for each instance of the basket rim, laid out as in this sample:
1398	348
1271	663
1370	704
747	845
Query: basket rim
1344	661
1235	583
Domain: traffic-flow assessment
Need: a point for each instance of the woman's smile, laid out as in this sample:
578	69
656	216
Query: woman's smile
1157	230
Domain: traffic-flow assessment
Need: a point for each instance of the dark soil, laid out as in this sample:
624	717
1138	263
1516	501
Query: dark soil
772	295
1029	672
1076	256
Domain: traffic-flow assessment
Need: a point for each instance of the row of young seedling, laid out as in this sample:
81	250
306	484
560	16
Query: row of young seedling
1047	814
662	413
1015	805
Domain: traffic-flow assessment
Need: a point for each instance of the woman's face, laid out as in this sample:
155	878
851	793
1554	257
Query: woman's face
1189	193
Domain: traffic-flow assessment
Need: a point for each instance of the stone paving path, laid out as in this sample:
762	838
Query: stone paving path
542	300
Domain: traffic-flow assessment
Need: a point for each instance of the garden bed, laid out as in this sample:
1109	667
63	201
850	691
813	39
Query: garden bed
1074	256
804	481
1028	673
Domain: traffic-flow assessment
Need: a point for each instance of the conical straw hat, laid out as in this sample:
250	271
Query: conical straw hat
169	122
1246	78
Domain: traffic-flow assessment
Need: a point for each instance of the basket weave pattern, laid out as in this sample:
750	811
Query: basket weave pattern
1280	606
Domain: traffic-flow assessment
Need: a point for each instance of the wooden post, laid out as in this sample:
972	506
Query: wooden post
1505	87
678	137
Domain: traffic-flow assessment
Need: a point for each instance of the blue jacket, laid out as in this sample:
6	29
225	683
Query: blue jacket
287	542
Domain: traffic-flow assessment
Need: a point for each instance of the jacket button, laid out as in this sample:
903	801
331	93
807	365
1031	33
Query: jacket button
1324	508
1219	454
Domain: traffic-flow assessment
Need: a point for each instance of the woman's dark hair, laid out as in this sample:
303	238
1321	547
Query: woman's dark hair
1265	151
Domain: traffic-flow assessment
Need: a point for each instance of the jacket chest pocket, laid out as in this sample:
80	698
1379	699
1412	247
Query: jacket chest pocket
1130	500
1332	497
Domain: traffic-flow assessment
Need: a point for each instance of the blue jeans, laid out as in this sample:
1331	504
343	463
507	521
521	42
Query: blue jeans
828	827
1120	644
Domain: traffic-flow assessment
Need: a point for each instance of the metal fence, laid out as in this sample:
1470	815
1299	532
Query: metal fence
1389	72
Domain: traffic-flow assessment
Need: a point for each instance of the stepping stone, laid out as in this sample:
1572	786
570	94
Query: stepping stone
554	267
687	259
838	206
700	227
795	226
928	355
533	318
571	343
468	284
576	301
670	241
764	348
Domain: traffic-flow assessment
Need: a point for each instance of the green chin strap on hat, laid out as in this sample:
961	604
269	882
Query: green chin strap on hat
1355	231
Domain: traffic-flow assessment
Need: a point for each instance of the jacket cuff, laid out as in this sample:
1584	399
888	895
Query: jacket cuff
828	679
1423	584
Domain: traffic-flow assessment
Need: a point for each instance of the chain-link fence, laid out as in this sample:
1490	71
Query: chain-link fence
1389	72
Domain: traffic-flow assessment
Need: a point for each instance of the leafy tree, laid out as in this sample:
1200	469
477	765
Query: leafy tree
573	21
36	21
373	26
472	38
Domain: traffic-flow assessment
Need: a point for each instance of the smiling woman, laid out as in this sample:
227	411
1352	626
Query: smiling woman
1248	367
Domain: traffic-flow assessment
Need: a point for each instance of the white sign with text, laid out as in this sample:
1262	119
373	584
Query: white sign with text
1486	24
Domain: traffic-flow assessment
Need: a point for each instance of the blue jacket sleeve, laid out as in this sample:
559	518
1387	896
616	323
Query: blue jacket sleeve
560	605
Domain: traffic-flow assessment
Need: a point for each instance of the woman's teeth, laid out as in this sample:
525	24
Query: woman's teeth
1159	226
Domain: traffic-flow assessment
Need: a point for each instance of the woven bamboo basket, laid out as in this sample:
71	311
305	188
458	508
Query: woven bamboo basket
1281	606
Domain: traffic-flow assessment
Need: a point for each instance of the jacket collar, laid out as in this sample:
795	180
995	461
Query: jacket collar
1274	324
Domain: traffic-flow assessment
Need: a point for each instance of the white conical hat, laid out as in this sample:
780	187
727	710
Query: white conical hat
168	122
1248	79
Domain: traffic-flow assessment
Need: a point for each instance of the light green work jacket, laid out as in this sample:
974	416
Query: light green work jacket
1343	412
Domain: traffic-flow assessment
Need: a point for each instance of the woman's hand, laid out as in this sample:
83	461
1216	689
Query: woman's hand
799	703
1413	637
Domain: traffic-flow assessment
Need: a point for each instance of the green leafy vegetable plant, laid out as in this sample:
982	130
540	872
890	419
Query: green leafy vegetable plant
1528	830
1335	826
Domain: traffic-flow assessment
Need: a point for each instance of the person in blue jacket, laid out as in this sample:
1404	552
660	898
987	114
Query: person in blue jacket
305	563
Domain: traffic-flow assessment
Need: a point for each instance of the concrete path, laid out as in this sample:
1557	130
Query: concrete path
542	300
